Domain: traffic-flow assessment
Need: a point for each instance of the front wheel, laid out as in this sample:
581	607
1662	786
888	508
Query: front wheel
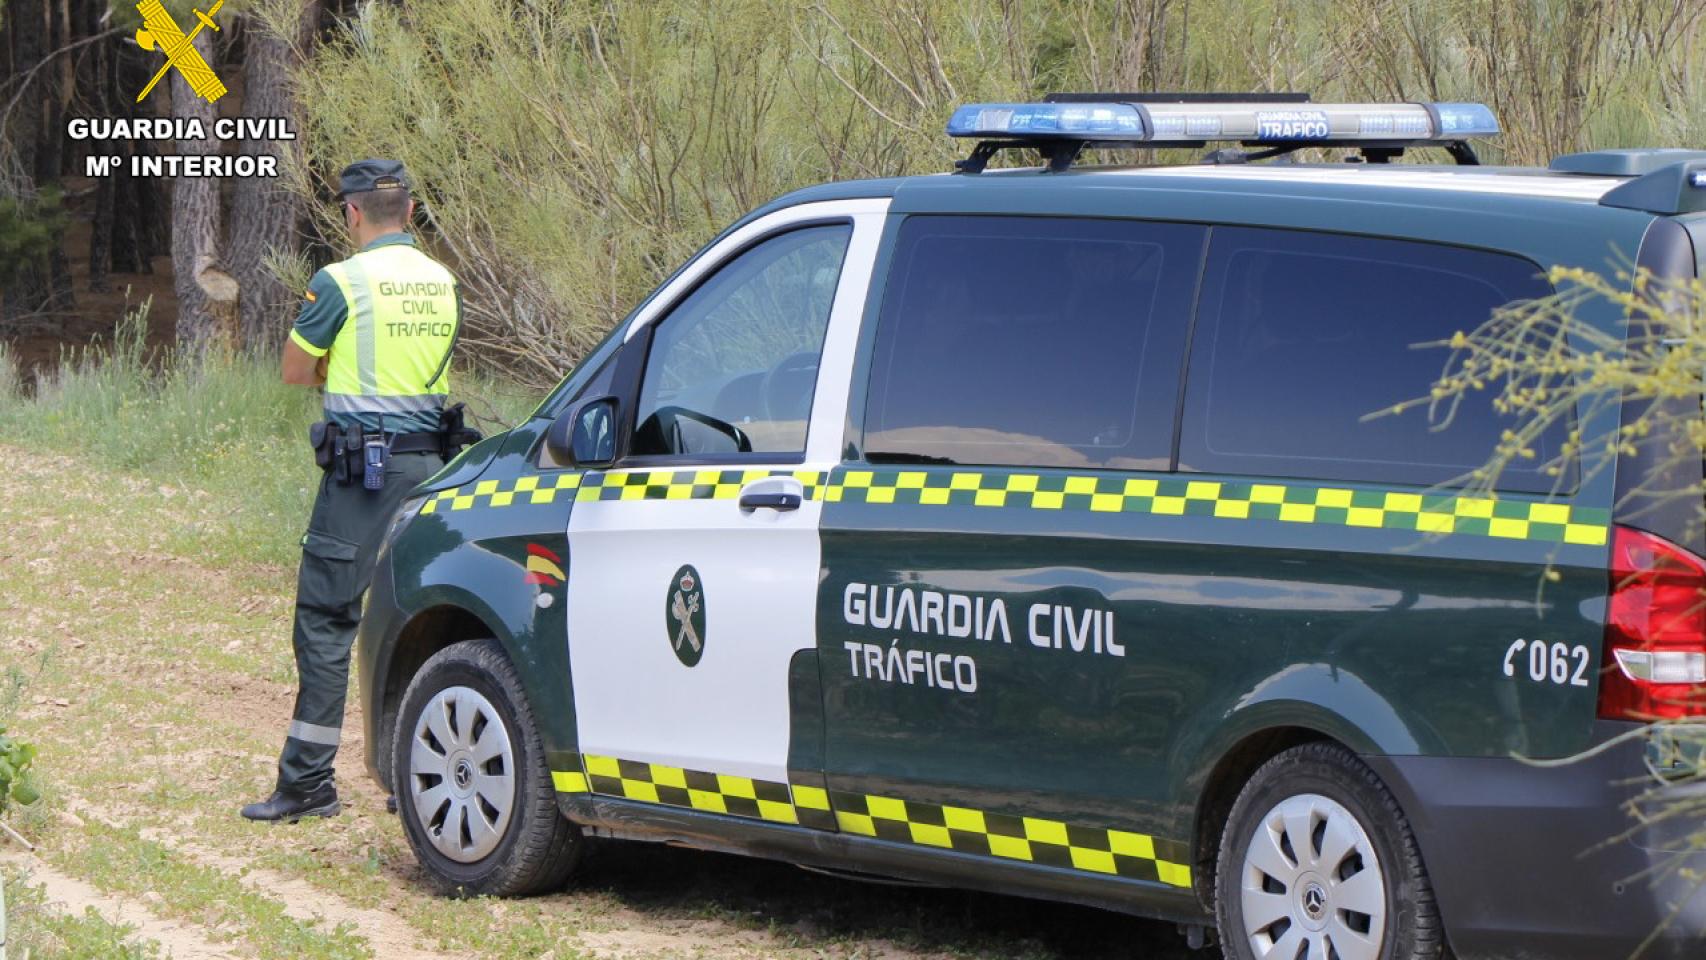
1319	863
473	789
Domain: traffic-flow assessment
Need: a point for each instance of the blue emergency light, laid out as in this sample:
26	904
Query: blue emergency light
1066	123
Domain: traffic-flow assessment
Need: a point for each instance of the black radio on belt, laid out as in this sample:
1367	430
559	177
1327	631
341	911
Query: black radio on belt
374	453
349	454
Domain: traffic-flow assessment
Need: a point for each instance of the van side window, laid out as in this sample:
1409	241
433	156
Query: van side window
733	367
1031	341
1300	335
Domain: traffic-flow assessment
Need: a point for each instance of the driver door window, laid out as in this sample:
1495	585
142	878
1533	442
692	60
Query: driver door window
733	367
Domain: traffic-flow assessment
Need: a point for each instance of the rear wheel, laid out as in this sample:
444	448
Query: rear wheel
1319	863
473	788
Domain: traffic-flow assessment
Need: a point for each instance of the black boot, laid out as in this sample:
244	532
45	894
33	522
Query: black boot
289	806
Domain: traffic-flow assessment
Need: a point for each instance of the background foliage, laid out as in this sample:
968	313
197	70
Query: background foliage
574	152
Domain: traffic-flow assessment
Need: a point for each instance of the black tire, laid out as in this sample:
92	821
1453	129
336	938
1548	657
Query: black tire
539	848
1411	924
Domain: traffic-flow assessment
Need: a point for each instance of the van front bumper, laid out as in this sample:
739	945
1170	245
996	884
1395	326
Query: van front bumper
1546	862
381	621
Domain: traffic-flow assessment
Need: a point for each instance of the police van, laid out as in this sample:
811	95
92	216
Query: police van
1023	530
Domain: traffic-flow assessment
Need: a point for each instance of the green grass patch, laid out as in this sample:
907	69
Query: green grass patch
119	860
223	437
35	931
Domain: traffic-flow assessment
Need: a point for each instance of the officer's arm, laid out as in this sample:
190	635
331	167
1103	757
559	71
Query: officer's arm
305	354
301	367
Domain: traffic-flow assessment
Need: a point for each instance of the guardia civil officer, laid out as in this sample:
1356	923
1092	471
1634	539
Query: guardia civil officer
376	331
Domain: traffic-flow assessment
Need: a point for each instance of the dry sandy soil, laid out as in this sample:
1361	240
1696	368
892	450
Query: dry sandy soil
157	686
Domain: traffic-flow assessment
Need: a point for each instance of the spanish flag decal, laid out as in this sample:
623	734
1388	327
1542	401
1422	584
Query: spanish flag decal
543	566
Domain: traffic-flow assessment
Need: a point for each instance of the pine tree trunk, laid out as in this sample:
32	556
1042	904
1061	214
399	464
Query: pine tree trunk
27	23
26	27
264	216
101	224
54	89
101	236
219	293
50	163
195	216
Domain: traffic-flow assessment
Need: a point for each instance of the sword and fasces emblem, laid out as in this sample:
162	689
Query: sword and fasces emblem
160	30
687	616
683	608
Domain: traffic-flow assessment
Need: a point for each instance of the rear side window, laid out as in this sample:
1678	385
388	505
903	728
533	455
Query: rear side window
1032	341
1299	335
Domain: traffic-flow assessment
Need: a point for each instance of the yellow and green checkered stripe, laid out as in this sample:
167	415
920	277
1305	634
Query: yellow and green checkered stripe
796	804
1113	493
615	485
1512	519
1053	843
1120	853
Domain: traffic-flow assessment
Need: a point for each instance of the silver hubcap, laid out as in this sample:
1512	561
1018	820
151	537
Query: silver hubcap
1312	885
462	774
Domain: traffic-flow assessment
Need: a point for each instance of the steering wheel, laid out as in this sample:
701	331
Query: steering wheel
661	432
787	387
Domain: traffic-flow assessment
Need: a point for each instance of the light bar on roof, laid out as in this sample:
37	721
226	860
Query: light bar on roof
1103	121
1251	122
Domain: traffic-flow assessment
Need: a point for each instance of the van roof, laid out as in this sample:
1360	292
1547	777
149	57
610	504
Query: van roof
1547	216
1510	181
1535	182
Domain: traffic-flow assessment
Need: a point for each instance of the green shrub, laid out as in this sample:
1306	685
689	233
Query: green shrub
572	154
15	781
28	230
38	929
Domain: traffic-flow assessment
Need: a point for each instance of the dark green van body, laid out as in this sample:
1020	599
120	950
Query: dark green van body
1163	631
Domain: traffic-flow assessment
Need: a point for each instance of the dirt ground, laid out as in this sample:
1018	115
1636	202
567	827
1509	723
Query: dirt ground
157	687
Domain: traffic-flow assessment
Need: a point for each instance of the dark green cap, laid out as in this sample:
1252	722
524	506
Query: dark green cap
365	175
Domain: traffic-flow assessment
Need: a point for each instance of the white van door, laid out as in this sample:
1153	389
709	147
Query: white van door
694	563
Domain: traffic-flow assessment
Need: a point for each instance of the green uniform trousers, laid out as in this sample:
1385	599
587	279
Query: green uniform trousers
338	552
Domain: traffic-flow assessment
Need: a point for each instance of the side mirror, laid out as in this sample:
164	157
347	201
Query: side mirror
585	435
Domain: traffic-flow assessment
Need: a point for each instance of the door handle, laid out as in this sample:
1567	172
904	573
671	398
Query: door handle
779	493
770	500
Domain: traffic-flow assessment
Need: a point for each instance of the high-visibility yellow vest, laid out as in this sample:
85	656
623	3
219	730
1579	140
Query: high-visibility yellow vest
390	361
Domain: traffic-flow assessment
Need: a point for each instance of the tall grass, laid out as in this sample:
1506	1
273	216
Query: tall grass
223	435
11	377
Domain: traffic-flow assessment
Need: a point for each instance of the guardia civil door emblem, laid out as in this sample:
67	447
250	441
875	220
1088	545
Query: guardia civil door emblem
686	617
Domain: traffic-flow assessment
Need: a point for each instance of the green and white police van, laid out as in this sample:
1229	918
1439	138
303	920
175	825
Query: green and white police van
1022	530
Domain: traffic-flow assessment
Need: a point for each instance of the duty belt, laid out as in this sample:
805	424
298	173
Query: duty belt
417	442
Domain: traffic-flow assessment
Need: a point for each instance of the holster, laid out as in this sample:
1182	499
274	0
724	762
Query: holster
348	467
454	432
325	437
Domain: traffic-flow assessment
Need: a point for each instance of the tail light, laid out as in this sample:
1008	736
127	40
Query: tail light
1655	631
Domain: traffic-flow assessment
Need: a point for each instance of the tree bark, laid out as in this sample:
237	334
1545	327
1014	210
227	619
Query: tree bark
264	216
54	87
102	221
219	293
195	215
26	23
50	162
141	221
